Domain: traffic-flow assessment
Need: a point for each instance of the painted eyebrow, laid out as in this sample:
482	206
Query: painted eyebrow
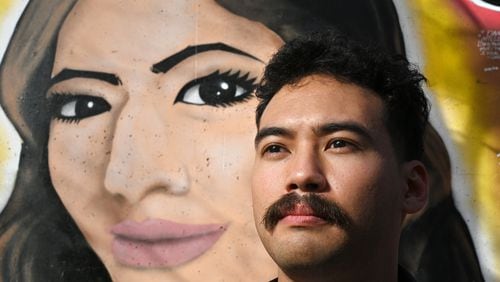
357	128
272	131
66	74
168	63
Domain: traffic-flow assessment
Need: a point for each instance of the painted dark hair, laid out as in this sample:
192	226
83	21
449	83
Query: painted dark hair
390	77
370	21
39	239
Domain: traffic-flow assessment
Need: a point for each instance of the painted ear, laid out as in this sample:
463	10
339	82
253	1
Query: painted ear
417	187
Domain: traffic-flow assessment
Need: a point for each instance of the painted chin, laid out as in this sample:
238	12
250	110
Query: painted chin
157	243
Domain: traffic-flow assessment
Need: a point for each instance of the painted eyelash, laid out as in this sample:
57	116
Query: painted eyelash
240	99
56	100
241	80
243	97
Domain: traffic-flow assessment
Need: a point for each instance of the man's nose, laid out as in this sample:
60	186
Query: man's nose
306	172
142	159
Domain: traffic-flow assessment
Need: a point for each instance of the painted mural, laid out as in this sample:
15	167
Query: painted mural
127	141
460	46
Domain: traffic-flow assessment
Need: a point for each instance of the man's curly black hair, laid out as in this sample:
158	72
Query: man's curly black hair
391	77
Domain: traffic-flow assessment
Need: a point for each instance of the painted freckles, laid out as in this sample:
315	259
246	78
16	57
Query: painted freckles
143	133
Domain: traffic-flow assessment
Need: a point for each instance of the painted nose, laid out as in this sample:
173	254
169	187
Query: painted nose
306	173
142	160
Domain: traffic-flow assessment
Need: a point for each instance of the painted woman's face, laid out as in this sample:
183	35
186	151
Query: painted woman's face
150	145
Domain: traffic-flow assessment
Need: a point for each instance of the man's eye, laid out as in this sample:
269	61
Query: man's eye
342	145
338	144
73	108
274	149
217	89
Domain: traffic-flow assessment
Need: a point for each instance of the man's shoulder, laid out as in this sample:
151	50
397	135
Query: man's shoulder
404	275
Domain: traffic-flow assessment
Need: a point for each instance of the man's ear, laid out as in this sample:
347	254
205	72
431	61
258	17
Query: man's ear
417	186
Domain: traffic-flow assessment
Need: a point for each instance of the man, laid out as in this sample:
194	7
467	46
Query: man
337	163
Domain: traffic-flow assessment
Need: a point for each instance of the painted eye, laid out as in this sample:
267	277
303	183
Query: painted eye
68	107
492	4
217	89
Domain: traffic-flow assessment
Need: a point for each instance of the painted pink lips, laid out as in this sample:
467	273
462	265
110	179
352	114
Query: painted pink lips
162	243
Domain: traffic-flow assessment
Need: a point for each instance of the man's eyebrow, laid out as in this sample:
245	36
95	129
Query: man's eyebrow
66	74
168	63
272	131
332	127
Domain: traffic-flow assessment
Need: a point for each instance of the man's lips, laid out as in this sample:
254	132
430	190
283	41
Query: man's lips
302	215
162	243
300	210
306	210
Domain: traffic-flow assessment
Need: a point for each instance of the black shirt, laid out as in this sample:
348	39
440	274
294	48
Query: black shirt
403	276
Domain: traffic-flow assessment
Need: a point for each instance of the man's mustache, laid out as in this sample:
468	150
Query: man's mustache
321	207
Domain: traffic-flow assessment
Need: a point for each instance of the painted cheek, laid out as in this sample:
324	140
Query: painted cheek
77	154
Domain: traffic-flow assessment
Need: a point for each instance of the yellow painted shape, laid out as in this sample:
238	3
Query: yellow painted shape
4	154
4	7
453	66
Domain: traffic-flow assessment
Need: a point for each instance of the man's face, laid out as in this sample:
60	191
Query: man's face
326	140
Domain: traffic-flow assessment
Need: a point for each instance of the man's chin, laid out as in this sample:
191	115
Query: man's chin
303	247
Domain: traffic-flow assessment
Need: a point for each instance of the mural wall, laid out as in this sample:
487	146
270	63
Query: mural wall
459	46
127	141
